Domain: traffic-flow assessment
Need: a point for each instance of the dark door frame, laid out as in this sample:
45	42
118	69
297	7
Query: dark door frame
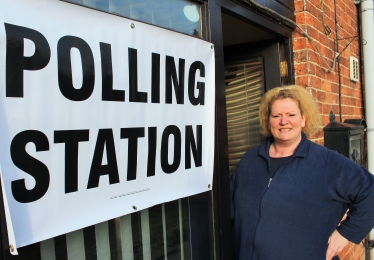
269	50
221	190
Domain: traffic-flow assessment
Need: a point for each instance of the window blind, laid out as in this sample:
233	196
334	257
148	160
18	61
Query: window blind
244	89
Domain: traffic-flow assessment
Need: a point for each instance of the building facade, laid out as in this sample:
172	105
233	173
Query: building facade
259	45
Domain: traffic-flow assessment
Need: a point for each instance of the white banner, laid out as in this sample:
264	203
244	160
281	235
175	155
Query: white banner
100	116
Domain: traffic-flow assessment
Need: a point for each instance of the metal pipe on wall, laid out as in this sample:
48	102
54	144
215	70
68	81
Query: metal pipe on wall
367	28
338	61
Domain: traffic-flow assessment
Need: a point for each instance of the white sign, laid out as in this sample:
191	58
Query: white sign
98	114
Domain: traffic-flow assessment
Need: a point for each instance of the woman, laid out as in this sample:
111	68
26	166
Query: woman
288	196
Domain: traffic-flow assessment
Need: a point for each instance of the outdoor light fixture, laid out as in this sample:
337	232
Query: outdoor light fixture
192	13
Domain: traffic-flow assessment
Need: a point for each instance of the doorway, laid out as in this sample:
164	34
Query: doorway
255	61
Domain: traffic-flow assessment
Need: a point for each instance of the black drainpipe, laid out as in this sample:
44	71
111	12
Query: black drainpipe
338	60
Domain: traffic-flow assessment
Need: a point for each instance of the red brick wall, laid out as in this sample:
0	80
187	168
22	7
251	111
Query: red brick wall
312	73
353	252
310	69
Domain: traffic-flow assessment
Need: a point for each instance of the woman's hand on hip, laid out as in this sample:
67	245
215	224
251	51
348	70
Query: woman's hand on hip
336	244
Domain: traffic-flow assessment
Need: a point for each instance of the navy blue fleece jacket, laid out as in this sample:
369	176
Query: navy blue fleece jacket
292	215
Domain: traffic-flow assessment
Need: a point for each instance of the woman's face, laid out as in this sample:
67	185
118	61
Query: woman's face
286	121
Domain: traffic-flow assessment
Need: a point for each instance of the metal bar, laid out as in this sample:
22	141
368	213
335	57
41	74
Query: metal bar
75	245
102	241
47	249
126	238
164	232
181	227
146	236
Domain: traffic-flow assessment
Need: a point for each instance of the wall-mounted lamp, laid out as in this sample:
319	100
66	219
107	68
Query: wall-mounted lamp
192	13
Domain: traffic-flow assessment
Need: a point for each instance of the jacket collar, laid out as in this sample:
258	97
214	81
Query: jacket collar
301	150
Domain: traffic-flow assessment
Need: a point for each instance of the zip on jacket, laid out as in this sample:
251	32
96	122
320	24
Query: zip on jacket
260	206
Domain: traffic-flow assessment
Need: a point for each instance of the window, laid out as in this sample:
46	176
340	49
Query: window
178	15
244	90
160	232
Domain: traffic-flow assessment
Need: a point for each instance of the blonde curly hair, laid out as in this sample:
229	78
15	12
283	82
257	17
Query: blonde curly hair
306	102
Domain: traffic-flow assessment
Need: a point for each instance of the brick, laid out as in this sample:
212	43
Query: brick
332	98
299	6
314	56
312	21
344	252
344	61
346	81
354	49
313	32
330	22
326	86
303	80
327	41
300	43
346	91
358	251
320	72
313	9
358	93
313	92
348	110
296	35
335	109
354	85
301	69
358	103
312	69
358	112
327	52
316	82
300	18
319	141
344	70
349	101
334	88
301	56
326	109
321	96
332	75
325	118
